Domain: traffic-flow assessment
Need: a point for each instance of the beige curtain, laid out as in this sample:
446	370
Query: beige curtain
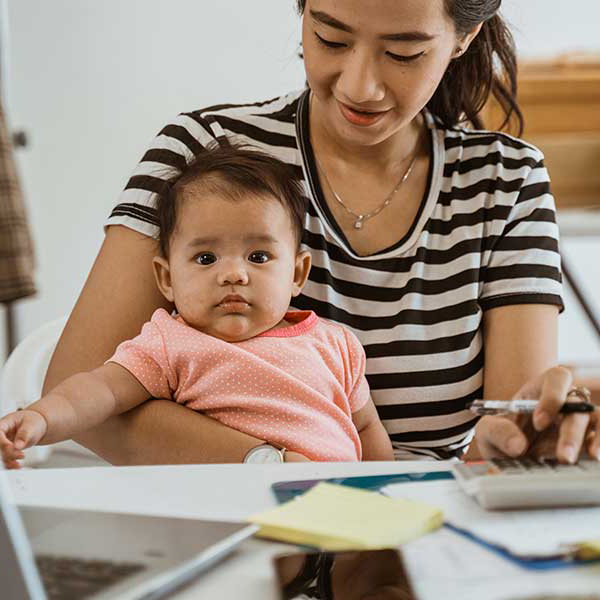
16	248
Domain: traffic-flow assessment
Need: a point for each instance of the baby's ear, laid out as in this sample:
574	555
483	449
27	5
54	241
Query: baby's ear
162	274
301	271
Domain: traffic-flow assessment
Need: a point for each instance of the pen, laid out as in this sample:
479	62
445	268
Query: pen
523	407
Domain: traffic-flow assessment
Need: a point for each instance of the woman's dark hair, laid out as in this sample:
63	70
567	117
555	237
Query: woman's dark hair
232	171
488	66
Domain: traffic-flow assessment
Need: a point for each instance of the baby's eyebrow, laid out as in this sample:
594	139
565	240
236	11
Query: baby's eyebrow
212	241
203	241
265	239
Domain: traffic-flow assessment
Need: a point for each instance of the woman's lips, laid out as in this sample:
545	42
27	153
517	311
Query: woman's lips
362	119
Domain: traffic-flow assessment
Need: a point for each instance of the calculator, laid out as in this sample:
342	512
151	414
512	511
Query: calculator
530	483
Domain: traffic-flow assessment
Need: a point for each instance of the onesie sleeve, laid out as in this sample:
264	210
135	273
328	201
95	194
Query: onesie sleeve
146	359
358	392
523	265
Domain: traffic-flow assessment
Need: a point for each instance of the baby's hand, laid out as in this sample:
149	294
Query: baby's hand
20	430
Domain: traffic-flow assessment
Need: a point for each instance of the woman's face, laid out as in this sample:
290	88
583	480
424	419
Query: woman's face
373	66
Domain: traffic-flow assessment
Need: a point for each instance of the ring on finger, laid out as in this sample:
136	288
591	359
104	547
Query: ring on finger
580	392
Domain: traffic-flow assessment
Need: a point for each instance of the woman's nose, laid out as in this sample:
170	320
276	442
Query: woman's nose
360	80
233	273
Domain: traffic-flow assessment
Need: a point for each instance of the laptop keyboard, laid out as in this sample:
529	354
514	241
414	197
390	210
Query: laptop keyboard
74	579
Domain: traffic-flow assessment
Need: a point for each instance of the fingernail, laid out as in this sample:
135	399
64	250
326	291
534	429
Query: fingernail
570	453
19	444
541	420
515	446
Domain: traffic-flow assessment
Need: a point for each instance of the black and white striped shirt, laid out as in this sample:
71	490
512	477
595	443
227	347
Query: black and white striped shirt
484	236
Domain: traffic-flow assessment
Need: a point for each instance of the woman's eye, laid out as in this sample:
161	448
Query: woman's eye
404	59
206	258
329	44
259	257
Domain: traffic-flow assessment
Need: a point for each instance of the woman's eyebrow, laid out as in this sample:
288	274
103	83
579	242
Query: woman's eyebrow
406	36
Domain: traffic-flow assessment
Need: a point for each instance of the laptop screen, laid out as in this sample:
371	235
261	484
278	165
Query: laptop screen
18	573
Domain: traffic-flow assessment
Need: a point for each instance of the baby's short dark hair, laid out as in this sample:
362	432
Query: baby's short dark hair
232	170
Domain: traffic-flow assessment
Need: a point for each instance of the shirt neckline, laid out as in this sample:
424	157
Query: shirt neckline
317	197
303	321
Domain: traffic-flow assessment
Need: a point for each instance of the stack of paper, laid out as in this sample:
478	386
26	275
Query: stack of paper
334	517
527	534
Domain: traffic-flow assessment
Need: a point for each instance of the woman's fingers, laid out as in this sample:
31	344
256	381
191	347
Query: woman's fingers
572	429
571	436
558	435
593	437
555	386
499	436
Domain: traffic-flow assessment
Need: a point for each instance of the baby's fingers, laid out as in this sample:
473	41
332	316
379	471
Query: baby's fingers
10	454
12	464
27	435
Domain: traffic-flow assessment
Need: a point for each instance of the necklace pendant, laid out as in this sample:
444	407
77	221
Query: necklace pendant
358	223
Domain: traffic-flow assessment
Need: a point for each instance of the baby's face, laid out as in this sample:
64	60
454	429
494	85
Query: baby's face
233	265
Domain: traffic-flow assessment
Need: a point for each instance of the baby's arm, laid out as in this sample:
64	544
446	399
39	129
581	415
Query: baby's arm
376	444
78	403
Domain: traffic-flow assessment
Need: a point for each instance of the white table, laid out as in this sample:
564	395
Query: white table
445	569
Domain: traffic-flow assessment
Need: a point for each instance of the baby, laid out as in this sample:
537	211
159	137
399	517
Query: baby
230	261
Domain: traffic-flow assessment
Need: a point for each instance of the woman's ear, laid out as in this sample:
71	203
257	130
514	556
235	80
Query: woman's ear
465	41
162	274
301	271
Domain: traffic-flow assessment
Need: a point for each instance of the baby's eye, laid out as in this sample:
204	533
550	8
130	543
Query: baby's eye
259	257
206	258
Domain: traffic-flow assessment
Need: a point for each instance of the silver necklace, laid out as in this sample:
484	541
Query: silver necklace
361	219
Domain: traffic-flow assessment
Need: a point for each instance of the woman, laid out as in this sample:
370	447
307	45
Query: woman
436	244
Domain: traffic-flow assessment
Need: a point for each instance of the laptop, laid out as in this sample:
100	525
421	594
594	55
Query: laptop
54	554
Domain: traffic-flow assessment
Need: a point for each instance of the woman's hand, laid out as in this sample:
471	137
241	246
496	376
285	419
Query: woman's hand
294	457
548	433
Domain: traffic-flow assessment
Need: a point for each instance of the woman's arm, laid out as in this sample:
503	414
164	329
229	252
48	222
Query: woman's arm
520	353
375	441
118	297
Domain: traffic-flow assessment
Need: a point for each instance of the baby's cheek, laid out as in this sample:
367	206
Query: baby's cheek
276	304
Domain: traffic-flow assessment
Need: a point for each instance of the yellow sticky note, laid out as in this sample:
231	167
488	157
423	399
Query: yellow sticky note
588	550
335	517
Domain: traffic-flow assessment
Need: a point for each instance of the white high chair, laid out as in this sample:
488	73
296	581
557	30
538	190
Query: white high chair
21	381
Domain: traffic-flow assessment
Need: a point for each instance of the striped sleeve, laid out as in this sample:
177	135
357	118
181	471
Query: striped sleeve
175	147
523	266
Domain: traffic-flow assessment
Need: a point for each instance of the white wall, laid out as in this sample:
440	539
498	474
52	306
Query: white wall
545	28
92	81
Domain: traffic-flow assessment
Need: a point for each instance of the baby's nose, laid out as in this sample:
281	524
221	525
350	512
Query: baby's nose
233	273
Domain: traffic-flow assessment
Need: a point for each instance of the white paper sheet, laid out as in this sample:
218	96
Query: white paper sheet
524	533
446	565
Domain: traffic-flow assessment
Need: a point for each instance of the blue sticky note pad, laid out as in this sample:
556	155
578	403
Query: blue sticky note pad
286	490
